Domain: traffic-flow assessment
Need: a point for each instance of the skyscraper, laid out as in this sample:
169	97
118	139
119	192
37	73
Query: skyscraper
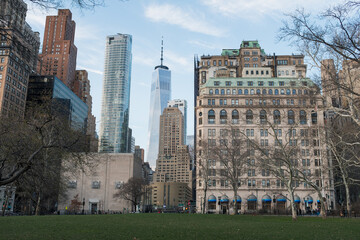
114	124
58	56
159	97
181	104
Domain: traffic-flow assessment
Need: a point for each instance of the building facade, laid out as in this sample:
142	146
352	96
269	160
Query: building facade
114	127
81	88
19	47
97	188
159	97
246	92
58	55
64	101
173	165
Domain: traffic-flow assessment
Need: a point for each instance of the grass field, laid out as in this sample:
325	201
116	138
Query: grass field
176	226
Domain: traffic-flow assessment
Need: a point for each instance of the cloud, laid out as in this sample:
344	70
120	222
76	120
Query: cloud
90	70
184	18
140	59
262	8
202	44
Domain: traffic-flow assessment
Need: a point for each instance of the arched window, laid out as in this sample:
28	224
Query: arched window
223	117
282	91
211	117
313	117
303	119
252	91
240	91
235	116
217	91
288	92
291	117
264	92
211	91
246	92
276	91
249	117
270	91
222	91
263	117
294	91
299	91
258	91
228	91
277	117
234	91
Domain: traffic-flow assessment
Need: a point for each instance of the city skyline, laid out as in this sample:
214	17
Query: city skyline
183	39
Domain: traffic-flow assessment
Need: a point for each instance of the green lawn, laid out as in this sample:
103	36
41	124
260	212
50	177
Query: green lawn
177	226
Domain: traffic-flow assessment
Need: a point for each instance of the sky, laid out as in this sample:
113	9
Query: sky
188	27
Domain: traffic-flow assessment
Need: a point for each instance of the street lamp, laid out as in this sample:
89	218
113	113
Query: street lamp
83	203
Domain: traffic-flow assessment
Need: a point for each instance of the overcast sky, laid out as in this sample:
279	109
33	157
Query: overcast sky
189	27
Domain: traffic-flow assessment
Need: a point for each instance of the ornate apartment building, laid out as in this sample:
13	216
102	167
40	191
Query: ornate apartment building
268	101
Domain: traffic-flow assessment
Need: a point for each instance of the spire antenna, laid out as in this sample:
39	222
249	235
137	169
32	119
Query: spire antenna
162	50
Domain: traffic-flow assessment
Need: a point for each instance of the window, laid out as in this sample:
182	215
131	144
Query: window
314	117
270	92
282	62
216	91
220	62
222	91
223	117
239	83
303	119
263	117
240	91
235	116
216	83
281	83
250	83
264	91
260	83
291	117
246	91
263	132
277	117
214	62
211	132
278	132
211	91
228	83
211	117
249	117
276	91
95	185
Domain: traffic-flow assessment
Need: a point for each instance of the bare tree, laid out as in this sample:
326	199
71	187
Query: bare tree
82	4
22	146
204	166
234	155
132	191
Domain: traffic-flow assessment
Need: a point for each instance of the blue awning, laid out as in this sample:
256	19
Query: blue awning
318	201
281	198
238	199
224	199
252	198
309	199
266	198
297	199
212	198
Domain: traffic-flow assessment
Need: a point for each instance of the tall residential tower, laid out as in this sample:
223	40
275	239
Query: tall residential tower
159	97
114	125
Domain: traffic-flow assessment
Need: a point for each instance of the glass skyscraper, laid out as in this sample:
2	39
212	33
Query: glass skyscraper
159	97
114	126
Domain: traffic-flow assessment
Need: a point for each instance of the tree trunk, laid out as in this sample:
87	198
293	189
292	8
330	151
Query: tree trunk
37	209
322	207
204	203
292	204
348	205
235	202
